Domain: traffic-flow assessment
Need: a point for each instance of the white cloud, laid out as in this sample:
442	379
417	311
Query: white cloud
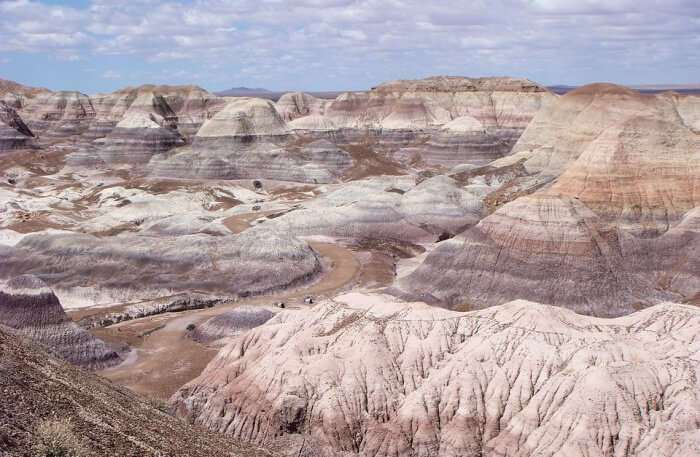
358	35
349	35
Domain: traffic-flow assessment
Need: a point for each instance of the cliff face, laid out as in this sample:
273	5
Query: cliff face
374	377
32	309
14	133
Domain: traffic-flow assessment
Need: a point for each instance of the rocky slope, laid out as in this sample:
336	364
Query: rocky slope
33	310
366	375
620	172
105	419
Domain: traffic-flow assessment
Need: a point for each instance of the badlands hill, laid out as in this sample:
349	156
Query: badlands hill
613	226
180	223
437	122
365	375
594	208
104	419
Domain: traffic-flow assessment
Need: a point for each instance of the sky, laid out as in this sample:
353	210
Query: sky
315	45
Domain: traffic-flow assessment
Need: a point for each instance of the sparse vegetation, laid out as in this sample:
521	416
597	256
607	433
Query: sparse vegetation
55	438
159	405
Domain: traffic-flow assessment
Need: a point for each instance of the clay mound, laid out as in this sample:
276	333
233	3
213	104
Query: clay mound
16	95
294	105
600	239
382	378
496	103
464	124
249	139
385	207
28	305
553	249
37	386
60	114
137	138
442	121
130	267
245	117
132	124
440	205
191	105
545	248
561	131
641	175
283	159
231	323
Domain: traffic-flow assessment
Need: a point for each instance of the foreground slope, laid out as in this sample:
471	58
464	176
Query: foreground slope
108	420
368	375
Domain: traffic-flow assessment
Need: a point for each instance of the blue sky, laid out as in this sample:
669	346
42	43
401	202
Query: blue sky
102	45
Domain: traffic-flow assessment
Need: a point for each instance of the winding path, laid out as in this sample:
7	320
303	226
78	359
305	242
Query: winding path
166	358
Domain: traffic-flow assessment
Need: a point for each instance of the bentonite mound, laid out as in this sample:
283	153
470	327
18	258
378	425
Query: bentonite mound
130	267
561	131
381	378
385	207
59	115
39	388
30	307
547	248
641	175
231	323
249	139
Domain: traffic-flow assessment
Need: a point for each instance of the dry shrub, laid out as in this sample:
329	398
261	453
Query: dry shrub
55	438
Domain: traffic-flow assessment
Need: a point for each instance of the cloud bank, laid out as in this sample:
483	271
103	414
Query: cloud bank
348	44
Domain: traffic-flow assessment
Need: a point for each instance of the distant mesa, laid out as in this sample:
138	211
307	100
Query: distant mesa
243	91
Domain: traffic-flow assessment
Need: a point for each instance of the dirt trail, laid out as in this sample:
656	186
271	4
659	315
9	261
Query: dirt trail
164	359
